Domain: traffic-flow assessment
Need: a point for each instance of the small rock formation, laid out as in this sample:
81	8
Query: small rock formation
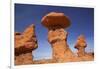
81	45
25	43
57	36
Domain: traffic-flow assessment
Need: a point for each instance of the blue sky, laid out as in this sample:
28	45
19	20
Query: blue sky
82	22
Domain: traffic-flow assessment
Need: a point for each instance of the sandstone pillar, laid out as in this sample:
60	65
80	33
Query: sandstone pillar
25	43
81	45
57	36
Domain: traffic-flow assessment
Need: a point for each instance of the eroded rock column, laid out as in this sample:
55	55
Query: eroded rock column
25	43
57	36
81	45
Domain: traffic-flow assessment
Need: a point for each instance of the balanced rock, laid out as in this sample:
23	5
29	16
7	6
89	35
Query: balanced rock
57	36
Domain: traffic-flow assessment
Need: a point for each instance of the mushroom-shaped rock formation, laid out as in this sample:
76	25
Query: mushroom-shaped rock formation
81	45
25	43
55	20
57	36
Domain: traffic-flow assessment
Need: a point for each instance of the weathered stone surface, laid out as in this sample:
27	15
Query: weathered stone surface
25	42
57	37
80	45
60	48
55	20
23	59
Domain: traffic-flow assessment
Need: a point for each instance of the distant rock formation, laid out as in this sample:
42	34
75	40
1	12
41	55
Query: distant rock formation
80	45
25	43
57	36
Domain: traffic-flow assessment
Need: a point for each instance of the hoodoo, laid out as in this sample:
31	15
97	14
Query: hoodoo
57	36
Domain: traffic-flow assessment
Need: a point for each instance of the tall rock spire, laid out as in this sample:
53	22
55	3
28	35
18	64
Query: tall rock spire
57	36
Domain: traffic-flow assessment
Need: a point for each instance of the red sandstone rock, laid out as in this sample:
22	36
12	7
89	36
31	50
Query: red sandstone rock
81	42
24	59
80	45
55	20
26	41
57	36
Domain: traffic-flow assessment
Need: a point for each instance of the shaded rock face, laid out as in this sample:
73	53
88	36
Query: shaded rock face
60	48
57	36
25	43
55	20
81	45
